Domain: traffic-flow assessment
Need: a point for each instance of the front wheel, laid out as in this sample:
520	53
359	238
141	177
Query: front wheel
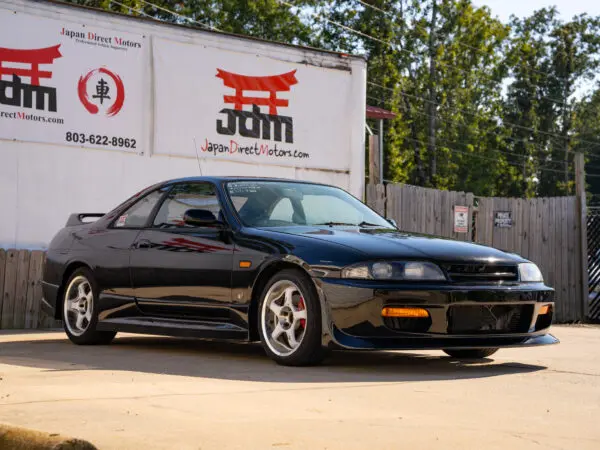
290	320
476	353
80	311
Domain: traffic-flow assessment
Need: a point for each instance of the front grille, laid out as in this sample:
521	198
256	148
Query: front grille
482	319
482	273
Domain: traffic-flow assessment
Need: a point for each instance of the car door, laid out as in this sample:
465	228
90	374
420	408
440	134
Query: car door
179	270
109	249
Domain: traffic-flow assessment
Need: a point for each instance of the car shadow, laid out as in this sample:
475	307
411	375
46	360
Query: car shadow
245	362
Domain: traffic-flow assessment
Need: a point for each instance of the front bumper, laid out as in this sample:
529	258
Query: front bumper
460	316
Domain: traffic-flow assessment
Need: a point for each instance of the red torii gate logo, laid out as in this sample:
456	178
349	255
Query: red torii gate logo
22	93
260	122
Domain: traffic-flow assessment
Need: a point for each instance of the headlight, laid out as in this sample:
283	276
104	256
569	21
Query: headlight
395	270
529	273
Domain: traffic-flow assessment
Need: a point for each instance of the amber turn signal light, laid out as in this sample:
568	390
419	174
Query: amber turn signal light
411	313
545	309
245	264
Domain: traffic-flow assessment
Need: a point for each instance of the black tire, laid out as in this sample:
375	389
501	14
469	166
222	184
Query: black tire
476	353
309	351
90	336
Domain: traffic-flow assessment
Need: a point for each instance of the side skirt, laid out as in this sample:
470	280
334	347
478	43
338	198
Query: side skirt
174	327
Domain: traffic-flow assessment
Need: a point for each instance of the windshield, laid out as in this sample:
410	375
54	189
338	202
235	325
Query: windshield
279	204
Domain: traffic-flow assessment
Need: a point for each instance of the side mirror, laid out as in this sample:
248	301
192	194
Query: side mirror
393	222
200	218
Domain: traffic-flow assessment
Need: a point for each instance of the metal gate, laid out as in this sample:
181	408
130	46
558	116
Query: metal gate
593	240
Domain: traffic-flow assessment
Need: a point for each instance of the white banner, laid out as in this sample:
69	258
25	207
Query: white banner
71	83
252	107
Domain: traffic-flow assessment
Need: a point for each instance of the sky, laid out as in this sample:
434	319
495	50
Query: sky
567	8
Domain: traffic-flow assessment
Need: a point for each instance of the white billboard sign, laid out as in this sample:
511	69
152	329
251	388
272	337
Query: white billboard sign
71	83
250	107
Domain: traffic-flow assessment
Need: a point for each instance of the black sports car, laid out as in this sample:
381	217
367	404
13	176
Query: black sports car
301	267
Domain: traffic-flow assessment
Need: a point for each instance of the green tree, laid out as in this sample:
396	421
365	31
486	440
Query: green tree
265	19
549	61
469	83
586	137
432	141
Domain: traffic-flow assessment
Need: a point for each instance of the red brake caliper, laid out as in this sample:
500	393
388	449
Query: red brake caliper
300	308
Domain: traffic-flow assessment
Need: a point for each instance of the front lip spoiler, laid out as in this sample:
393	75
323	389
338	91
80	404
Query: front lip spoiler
443	342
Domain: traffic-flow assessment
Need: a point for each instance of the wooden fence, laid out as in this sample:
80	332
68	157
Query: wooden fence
21	290
547	231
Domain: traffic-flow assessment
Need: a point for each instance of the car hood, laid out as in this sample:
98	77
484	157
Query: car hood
384	243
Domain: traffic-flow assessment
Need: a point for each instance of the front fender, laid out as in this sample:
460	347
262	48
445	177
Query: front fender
275	264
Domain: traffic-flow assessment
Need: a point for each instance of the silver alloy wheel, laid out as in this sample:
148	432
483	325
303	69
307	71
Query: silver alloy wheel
283	318
78	305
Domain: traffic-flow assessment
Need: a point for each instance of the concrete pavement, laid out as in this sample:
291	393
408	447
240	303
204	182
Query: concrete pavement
157	393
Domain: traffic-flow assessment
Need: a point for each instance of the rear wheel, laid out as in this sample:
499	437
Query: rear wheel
80	312
290	320
477	353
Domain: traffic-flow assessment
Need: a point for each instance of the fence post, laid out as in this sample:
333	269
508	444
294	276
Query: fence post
582	218
374	160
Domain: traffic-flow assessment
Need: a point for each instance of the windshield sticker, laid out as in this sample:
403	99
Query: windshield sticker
243	188
121	221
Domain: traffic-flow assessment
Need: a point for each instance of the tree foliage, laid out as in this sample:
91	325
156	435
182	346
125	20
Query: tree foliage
483	106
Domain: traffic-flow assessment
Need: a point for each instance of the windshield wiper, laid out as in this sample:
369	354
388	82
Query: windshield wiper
368	224
332	224
362	224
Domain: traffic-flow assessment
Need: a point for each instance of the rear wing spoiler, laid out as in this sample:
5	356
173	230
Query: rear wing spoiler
77	218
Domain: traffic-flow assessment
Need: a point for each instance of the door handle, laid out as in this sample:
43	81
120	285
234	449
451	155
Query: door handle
143	244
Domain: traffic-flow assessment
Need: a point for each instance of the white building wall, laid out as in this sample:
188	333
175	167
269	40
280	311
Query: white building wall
42	184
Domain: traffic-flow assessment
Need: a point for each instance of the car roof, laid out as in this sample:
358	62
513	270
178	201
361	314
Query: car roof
217	179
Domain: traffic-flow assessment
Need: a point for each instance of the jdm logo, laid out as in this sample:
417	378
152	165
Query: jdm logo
261	124
107	92
20	66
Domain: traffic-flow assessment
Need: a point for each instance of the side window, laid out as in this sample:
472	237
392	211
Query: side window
136	216
183	197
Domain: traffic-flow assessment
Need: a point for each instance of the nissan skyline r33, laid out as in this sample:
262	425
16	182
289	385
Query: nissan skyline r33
300	267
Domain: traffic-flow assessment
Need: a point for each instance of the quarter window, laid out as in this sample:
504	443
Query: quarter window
184	197
136	216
